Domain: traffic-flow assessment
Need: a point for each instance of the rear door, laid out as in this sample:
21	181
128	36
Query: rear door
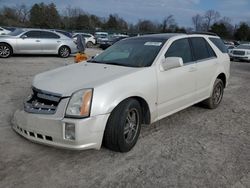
206	63
50	42
30	43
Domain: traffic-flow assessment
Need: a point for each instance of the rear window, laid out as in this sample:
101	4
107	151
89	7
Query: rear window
49	35
219	44
202	50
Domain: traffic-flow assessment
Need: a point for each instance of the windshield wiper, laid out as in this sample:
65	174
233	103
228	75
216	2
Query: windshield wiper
114	63
94	61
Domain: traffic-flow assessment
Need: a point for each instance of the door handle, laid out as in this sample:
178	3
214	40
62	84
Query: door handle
192	69
37	40
58	41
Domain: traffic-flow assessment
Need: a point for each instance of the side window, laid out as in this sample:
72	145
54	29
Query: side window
49	35
85	35
180	48
219	43
33	34
202	50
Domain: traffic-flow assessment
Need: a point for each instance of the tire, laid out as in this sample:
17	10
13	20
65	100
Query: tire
123	126
5	50
89	44
217	95
64	52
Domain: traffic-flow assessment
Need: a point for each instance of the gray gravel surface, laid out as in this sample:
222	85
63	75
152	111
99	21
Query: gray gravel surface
192	148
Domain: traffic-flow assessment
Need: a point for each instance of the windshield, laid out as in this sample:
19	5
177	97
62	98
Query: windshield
16	32
136	52
245	47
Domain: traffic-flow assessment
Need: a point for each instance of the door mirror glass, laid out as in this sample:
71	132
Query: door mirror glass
171	63
24	36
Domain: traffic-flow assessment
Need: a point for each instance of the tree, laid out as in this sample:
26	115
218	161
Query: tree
210	17
44	16
197	22
243	32
22	12
168	24
221	30
146	26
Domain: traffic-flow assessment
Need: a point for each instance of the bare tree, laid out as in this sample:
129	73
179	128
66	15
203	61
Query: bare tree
22	12
168	23
210	17
197	22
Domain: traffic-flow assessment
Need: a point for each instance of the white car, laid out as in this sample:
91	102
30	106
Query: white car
89	39
4	31
241	52
136	81
101	37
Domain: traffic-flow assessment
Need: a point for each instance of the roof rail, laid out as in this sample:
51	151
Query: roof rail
203	33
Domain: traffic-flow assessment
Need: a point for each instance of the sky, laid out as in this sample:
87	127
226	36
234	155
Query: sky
155	10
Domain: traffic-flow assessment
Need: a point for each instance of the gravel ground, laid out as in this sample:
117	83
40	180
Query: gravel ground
193	148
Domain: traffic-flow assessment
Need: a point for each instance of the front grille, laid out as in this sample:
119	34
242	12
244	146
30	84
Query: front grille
42	102
236	52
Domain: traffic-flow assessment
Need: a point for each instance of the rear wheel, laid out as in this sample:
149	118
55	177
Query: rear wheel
215	99
64	51
89	44
5	50
123	127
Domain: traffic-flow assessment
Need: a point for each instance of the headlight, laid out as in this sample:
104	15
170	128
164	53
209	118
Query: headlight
79	104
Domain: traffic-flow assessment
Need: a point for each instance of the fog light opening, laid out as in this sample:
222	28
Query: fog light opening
69	131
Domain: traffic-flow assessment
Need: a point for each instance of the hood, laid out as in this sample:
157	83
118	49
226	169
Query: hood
68	79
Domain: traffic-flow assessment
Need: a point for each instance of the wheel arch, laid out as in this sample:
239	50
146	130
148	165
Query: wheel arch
222	76
12	49
146	114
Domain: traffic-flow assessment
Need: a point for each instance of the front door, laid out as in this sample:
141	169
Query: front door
30	43
176	87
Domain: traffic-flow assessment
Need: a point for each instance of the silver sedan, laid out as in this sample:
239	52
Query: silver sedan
36	41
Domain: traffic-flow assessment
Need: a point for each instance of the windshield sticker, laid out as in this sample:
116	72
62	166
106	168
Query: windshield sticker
153	43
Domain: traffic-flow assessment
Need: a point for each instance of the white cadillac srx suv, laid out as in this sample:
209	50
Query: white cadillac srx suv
136	81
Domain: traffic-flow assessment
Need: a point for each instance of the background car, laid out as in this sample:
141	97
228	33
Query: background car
229	48
36	41
112	39
241	52
101	36
89	39
4	31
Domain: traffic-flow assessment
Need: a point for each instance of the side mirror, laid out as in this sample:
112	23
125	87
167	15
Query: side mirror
171	63
24	36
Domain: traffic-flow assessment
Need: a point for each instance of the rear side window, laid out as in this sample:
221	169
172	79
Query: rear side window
33	34
202	50
180	48
49	35
219	44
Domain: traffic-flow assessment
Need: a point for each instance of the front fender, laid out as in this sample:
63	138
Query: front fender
141	84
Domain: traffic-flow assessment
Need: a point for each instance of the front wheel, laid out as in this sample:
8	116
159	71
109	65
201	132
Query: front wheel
123	127
5	50
64	52
215	99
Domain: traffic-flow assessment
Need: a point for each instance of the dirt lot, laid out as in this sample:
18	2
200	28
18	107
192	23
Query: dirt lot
193	148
